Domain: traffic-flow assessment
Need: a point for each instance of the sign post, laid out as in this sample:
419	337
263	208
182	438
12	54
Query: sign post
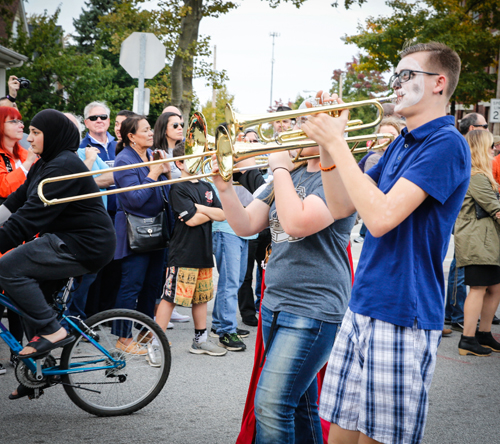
142	55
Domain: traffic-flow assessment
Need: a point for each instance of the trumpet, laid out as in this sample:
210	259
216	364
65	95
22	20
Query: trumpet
238	122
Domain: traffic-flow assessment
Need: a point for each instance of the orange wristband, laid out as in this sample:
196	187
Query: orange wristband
327	169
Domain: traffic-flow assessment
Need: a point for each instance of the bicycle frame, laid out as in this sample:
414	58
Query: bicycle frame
16	347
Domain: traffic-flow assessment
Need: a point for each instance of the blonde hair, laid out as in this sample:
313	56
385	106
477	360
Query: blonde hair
397	124
479	142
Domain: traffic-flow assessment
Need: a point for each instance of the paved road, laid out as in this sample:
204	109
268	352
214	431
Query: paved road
204	397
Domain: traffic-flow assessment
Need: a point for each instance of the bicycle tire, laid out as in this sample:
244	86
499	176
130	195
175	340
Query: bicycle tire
119	391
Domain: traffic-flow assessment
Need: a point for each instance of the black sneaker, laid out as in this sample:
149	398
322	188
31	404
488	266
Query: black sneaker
232	342
496	321
251	321
242	333
457	326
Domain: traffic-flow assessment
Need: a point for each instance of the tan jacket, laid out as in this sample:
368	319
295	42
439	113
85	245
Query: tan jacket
477	242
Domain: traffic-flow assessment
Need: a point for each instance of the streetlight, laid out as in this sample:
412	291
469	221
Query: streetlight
273	35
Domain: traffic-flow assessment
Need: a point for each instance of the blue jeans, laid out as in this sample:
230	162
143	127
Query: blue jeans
286	401
231	253
140	285
457	292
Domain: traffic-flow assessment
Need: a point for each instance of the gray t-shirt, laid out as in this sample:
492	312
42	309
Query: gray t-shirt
308	276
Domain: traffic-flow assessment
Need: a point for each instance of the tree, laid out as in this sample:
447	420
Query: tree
87	31
216	116
466	26
60	77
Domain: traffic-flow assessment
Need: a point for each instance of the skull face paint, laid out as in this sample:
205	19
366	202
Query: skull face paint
411	92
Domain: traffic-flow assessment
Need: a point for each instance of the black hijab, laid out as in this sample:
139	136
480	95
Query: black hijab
59	133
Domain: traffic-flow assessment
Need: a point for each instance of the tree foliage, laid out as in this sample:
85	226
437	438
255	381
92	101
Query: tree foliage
60	77
215	116
466	26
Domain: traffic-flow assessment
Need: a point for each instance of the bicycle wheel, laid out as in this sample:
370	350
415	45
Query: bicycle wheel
130	377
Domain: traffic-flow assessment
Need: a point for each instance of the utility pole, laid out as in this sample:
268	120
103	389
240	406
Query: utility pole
213	87
273	35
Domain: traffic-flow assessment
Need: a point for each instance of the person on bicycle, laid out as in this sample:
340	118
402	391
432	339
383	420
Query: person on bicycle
74	238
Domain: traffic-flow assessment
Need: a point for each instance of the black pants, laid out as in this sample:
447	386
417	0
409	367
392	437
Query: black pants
24	268
256	253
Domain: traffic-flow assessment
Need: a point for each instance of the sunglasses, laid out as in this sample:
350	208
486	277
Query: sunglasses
15	122
177	124
485	126
99	116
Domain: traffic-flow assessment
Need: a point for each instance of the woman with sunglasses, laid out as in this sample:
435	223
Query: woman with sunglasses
477	249
15	163
167	132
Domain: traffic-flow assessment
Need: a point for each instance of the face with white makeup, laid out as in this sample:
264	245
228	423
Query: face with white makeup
409	93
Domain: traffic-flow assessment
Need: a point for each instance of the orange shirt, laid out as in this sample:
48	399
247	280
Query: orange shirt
496	169
10	182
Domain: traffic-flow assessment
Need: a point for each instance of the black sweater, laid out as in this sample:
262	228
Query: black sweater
84	225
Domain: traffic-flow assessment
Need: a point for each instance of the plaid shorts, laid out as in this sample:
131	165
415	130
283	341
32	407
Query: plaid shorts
187	286
378	379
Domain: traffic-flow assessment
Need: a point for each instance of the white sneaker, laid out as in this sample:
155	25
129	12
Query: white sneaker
359	240
177	317
170	326
153	356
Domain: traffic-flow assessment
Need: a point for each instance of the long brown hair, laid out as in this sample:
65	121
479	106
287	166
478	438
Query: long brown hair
129	126
480	142
8	112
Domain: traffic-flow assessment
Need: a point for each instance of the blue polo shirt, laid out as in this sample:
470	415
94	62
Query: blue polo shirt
400	275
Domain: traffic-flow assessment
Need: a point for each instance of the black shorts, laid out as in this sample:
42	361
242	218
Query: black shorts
482	275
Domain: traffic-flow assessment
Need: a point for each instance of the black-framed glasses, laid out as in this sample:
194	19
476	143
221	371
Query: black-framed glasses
98	116
177	124
15	122
485	126
406	74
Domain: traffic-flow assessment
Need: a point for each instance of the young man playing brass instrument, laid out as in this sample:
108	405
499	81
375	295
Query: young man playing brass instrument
381	366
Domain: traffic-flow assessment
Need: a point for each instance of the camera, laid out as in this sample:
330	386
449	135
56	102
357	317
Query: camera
23	82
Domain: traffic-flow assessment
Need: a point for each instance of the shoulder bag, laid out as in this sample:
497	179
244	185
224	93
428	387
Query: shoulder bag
148	233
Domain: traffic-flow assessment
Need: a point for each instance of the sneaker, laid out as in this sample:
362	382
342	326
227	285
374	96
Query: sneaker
3	370
213	333
170	326
242	333
457	326
153	357
206	348
359	239
177	317
446	332
495	321
133	348
469	345
232	342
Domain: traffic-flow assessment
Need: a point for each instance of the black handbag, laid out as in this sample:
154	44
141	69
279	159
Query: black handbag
148	233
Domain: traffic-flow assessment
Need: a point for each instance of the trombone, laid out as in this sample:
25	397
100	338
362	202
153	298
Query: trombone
239	123
199	145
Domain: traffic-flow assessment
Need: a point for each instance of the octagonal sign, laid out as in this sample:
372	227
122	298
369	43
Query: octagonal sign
130	55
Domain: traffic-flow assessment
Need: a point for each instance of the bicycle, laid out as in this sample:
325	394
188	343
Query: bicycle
96	375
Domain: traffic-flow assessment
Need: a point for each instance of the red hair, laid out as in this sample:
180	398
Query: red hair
6	113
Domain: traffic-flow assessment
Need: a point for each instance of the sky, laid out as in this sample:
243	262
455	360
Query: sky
307	50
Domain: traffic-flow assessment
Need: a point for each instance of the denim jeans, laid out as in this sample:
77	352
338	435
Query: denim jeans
457	292
286	401
231	253
140	285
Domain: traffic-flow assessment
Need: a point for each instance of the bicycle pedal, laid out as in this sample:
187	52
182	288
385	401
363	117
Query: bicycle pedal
36	394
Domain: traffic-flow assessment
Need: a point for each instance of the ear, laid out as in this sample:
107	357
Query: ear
179	165
440	86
